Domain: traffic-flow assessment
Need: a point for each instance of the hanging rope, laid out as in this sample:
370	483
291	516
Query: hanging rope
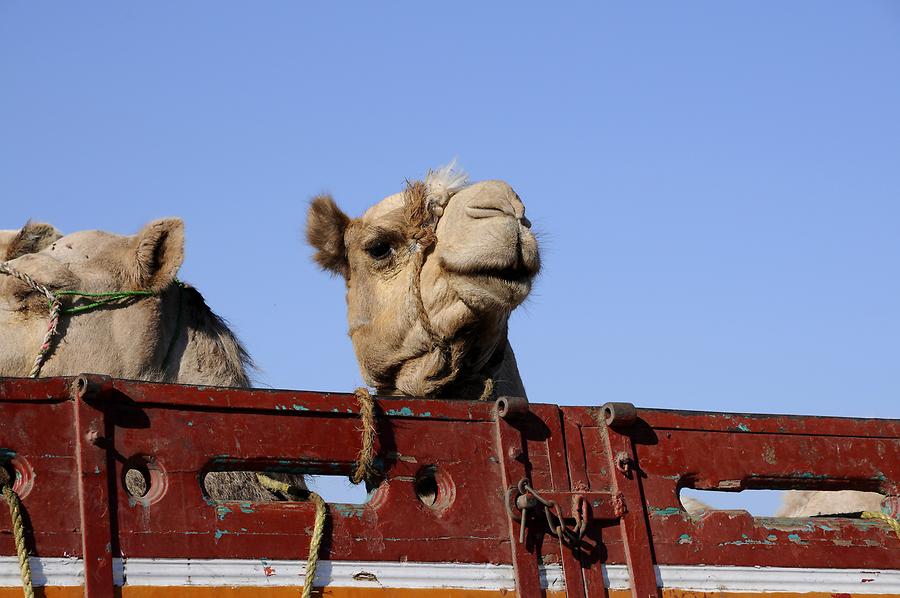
55	307
892	523
315	544
15	514
365	460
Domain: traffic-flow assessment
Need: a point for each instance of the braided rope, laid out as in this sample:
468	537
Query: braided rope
15	514
55	307
315	544
894	524
365	460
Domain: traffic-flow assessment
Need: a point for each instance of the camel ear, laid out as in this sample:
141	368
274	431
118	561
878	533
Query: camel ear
33	237
158	254
325	226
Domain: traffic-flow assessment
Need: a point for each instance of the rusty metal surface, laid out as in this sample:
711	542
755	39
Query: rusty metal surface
71	452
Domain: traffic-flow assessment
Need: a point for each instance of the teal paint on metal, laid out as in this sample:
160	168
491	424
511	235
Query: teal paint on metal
657	512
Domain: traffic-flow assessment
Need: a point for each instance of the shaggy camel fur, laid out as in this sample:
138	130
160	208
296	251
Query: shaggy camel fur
170	336
31	238
432	275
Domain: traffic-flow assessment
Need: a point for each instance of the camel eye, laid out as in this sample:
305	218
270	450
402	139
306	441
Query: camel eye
379	250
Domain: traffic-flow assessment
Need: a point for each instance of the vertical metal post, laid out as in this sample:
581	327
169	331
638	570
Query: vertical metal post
513	456
559	474
626	475
93	493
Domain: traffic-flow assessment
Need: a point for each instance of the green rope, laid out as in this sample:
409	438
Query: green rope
102	299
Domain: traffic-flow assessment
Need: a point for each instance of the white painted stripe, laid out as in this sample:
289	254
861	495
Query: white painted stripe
56	571
780	579
354	574
361	574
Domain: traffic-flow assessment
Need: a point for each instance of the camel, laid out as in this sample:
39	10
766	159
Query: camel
810	503
165	334
432	275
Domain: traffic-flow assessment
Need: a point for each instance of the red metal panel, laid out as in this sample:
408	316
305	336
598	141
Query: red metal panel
673	451
187	431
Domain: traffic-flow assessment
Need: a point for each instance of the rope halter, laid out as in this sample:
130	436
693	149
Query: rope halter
56	309
424	204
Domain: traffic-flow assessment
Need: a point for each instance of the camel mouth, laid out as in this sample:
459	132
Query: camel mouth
487	289
519	274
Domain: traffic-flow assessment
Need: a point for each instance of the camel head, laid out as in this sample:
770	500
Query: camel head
432	276
166	333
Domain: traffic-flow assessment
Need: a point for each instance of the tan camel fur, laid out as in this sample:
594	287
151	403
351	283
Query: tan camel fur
31	238
171	336
809	503
466	250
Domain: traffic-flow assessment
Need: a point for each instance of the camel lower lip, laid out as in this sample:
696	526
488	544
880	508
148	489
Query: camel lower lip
492	286
507	276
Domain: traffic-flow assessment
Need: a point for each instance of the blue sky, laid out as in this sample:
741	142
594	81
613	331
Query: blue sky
717	185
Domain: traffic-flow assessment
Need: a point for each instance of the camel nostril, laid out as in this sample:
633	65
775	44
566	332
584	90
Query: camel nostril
525	222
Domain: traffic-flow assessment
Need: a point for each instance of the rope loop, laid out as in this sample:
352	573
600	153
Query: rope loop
365	468
55	304
18	525
52	325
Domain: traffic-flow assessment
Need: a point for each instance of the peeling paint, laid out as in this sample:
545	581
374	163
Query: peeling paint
221	532
296	407
743	427
405	411
657	512
347	510
795	538
246	507
685	539
222	511
746	541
